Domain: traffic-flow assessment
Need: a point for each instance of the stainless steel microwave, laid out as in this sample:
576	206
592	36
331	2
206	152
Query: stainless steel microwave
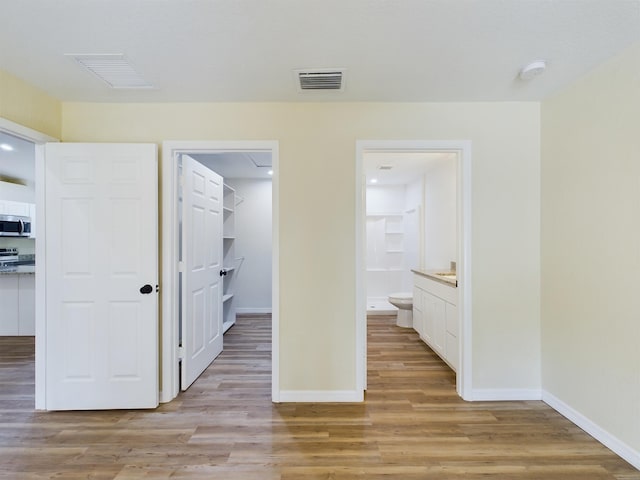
15	226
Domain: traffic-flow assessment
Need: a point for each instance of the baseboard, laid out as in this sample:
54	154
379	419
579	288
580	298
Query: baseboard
504	394
381	312
321	396
252	310
607	439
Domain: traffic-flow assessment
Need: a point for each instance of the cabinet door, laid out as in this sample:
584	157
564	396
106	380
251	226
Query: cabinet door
451	342
439	328
17	208
26	304
418	320
429	304
9	303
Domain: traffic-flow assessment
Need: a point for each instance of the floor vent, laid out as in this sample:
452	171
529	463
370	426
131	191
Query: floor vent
320	80
113	69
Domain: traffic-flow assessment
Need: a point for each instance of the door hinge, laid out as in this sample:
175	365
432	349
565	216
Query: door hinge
180	266
180	353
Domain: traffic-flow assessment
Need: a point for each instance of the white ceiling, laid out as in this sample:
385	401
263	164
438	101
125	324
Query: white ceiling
247	50
237	164
406	167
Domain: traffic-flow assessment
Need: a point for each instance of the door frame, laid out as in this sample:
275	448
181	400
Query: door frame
169	265
462	148
38	139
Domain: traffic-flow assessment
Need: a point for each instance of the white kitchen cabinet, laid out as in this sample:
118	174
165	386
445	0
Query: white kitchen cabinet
18	301
9	316
8	207
436	317
26	304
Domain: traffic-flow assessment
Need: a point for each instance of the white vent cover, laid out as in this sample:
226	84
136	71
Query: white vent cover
320	80
113	69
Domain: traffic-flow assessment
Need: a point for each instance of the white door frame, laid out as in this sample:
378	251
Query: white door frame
39	139
463	149
169	286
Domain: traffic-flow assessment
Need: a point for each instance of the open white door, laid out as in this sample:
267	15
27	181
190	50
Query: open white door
202	219
101	231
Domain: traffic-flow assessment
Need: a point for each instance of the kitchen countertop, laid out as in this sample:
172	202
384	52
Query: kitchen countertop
439	276
18	270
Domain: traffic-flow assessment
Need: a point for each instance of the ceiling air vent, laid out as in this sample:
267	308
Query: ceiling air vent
114	69
320	80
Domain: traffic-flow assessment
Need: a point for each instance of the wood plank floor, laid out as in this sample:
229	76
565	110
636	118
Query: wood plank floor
411	426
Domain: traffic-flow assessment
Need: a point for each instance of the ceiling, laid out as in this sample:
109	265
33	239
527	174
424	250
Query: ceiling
401	168
237	164
248	50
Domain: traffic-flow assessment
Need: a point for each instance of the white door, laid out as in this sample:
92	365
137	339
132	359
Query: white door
202	218
101	241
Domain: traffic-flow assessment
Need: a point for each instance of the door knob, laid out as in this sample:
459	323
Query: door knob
146	289
223	272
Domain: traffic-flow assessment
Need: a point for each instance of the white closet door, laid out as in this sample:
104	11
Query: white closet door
202	258
101	274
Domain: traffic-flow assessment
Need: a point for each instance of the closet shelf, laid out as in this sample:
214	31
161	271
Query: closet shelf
227	297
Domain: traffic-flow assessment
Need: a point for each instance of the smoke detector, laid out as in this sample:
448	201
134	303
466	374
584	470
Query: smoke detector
320	79
532	70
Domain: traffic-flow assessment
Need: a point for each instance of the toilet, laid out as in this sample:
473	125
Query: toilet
404	302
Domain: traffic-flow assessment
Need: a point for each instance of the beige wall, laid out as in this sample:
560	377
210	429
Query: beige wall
28	106
591	247
317	217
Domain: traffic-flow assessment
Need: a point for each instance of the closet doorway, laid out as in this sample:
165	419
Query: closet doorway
220	209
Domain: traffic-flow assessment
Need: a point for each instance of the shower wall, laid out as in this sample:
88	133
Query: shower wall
391	244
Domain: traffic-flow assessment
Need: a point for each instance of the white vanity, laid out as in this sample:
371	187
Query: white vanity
435	313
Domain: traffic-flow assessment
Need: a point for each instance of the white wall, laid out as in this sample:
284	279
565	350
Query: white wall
317	217
591	250
440	215
253	242
385	199
25	246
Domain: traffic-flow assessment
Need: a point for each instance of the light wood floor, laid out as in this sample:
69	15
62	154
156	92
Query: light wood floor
411	426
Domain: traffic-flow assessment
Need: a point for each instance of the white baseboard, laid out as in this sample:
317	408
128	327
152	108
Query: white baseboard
321	396
504	394
252	310
608	440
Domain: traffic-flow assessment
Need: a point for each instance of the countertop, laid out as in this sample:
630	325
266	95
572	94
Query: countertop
18	270
442	276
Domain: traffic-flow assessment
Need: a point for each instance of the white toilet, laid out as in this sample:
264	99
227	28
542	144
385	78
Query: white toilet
404	302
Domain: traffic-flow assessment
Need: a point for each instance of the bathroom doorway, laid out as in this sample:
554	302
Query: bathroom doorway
400	184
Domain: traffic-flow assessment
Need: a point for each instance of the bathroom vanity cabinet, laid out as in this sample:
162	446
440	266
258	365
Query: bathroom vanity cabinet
435	316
